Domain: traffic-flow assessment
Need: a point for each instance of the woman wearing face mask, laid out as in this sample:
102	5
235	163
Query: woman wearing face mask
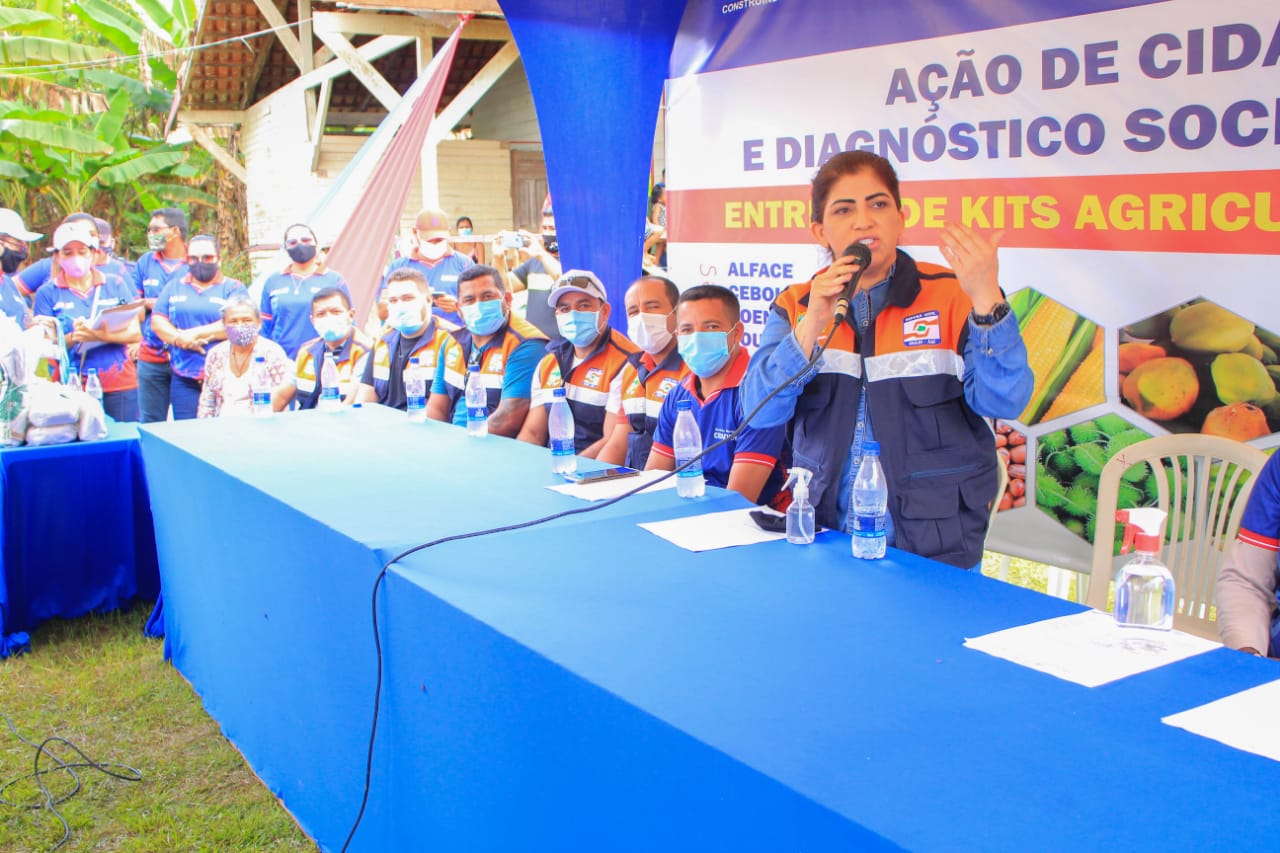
71	299
228	371
14	238
287	295
188	317
474	249
709	337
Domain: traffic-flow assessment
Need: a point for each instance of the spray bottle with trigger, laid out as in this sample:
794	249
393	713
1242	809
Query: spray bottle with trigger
800	524
1144	587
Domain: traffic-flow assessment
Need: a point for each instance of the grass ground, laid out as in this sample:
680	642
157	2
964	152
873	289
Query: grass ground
99	683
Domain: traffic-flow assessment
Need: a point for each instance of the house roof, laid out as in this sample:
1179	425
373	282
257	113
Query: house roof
236	72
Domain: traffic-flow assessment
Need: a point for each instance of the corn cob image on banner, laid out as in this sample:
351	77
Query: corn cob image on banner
1128	152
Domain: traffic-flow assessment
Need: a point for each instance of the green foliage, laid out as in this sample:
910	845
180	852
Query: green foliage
85	89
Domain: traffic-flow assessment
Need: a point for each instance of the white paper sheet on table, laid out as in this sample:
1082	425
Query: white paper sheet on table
1244	720
712	530
1089	648
606	489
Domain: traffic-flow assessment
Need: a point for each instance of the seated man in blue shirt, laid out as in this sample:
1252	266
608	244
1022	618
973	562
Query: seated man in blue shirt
709	337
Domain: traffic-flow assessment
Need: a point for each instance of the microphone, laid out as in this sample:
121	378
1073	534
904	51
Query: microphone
862	255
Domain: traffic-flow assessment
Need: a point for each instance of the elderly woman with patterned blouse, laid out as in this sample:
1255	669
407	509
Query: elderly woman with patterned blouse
228	370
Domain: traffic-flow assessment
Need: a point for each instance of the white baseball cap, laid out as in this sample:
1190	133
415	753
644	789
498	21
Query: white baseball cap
577	281
77	231
11	223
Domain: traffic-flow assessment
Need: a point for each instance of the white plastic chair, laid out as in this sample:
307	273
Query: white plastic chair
1202	513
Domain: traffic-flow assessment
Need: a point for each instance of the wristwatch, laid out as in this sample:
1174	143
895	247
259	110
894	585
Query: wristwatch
998	312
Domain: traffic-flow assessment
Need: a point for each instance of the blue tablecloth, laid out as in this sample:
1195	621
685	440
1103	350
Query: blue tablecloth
586	685
77	534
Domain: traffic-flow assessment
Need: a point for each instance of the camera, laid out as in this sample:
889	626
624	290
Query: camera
512	240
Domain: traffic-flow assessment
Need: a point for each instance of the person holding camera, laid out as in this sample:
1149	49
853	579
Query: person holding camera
538	270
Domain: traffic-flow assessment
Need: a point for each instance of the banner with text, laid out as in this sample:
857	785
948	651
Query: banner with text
1130	153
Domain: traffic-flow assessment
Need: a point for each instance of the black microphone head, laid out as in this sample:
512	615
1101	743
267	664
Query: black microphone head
859	252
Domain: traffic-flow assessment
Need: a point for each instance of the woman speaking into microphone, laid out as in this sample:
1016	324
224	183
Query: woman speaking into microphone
922	356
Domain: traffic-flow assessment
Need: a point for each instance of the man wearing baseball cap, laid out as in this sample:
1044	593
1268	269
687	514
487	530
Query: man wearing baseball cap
586	358
435	258
14	238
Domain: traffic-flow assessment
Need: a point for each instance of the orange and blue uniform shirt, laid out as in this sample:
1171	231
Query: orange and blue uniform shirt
57	299
151	275
645	385
506	364
718	416
349	358
186	304
384	369
588	387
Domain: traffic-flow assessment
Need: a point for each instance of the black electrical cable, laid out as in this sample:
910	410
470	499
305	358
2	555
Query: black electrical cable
377	641
48	800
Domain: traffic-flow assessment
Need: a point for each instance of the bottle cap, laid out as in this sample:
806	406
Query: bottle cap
870	448
260	359
558	393
414	360
684	405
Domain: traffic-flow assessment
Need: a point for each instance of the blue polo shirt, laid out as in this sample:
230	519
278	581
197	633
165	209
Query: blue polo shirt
286	306
442	275
116	370
151	275
12	302
186	304
717	416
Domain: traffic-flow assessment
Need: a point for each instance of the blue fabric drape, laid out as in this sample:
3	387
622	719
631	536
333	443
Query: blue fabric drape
596	71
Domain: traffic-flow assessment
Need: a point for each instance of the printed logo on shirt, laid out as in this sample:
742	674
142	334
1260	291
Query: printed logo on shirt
62	306
922	329
665	387
176	298
634	386
495	362
448	278
454	355
720	433
554	379
217	300
593	377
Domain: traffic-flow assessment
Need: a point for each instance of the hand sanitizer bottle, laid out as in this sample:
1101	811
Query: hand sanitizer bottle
1144	587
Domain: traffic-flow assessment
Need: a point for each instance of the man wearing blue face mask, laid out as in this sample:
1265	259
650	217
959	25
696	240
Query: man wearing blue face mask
415	333
586	359
503	348
709	338
334	319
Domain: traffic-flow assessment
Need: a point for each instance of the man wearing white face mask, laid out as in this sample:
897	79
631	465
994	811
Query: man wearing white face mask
650	375
709	338
334	319
502	347
435	258
587	360
415	333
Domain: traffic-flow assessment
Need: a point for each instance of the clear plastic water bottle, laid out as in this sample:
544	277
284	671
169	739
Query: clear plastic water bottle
73	377
92	384
330	392
687	441
260	385
415	391
870	501
564	458
477	405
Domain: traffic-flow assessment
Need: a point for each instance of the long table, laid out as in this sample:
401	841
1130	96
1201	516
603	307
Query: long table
587	685
76	535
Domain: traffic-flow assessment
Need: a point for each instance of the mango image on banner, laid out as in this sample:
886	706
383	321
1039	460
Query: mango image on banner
1199	367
